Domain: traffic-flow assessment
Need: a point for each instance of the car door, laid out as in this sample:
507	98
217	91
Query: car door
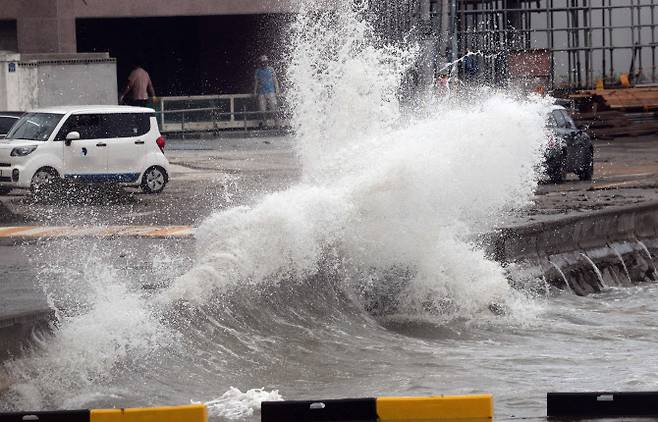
570	136
580	146
85	159
127	144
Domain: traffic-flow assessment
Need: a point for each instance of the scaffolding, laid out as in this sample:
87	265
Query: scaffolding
587	40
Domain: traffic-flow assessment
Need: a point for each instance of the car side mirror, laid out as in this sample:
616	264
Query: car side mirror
72	136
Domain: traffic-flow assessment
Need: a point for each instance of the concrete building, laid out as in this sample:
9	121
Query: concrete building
189	47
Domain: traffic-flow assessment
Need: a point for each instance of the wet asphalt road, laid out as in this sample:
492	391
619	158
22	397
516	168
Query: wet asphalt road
213	174
206	175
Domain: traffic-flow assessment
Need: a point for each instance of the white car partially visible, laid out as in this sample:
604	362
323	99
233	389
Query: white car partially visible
86	144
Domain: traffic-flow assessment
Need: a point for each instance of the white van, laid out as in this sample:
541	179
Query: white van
89	144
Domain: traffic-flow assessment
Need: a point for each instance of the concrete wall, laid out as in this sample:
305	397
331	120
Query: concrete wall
48	26
53	80
11	82
621	242
76	83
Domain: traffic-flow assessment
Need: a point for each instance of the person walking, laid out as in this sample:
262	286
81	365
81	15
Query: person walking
266	89
138	89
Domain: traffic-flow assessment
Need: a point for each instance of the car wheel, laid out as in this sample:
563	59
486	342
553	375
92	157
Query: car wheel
555	175
555	170
4	190
587	170
154	180
44	181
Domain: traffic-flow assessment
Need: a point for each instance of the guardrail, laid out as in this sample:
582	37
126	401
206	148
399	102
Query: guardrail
216	112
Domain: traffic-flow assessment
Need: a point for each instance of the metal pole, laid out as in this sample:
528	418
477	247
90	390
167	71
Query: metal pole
528	25
453	30
577	43
611	51
549	38
603	40
162	114
590	59
569	42
630	77
505	28
653	43
585	36
639	36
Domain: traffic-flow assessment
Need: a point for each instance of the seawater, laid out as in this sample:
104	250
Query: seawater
360	280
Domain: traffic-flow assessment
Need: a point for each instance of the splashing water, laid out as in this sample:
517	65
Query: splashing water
649	257
101	321
387	206
379	193
623	264
599	276
564	277
234	404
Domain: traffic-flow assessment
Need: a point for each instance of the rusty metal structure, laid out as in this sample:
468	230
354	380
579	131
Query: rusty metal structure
585	41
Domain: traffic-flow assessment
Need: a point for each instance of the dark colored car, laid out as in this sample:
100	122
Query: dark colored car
7	120
570	150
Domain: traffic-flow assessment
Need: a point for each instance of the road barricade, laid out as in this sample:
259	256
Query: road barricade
189	413
474	408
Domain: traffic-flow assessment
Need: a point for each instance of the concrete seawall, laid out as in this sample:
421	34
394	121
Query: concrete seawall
15	330
583	254
621	243
19	326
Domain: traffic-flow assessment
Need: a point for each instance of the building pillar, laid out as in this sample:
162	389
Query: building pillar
46	26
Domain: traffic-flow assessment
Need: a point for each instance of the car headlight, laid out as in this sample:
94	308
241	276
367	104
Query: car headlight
23	151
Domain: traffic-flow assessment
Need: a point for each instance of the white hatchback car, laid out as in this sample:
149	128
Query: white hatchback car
92	144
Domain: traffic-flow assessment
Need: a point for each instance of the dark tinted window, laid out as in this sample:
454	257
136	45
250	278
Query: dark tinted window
559	118
100	126
88	125
568	120
6	123
125	125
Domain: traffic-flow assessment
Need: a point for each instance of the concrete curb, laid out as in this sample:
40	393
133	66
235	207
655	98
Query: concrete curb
583	232
48	232
621	242
16	328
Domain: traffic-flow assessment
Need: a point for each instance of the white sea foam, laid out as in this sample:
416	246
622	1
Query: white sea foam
234	404
102	322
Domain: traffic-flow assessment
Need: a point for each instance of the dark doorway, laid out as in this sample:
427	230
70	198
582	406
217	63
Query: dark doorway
189	55
8	35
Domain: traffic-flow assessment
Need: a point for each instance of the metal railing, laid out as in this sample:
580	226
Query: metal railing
216	112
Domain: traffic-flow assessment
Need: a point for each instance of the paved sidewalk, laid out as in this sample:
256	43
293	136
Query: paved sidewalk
40	232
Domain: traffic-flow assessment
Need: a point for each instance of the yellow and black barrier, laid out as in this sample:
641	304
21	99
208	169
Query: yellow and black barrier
189	413
473	408
641	404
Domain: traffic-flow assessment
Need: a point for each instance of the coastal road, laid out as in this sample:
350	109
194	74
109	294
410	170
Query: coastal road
214	174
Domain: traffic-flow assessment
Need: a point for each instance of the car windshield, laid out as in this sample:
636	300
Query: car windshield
35	126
